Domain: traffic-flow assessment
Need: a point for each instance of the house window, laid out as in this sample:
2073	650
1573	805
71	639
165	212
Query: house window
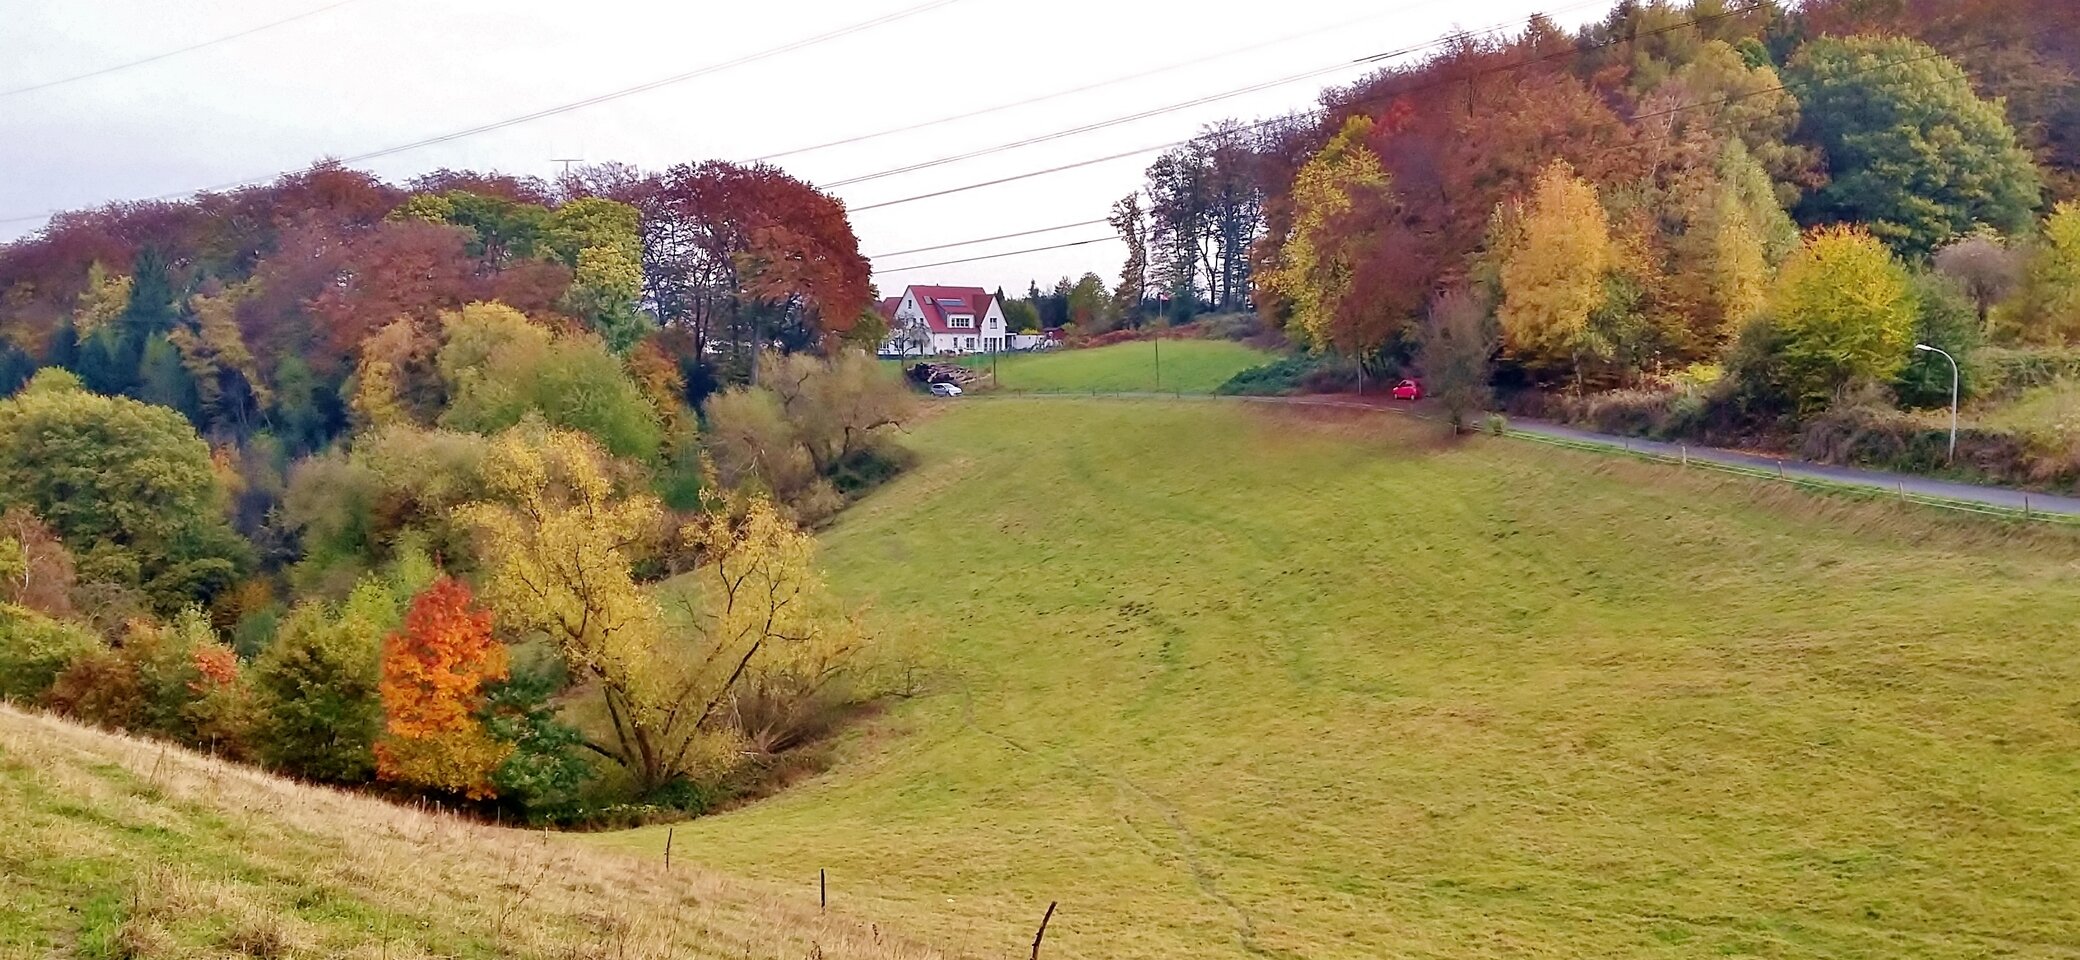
971	343
964	323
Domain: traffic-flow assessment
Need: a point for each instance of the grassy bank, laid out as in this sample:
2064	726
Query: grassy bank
1227	681
112	847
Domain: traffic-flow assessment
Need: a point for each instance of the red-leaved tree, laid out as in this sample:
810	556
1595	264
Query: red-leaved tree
434	674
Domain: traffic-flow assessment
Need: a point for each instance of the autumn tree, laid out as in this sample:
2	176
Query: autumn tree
1312	274
559	544
434	674
1126	219
1556	253
746	257
1844	309
2046	306
36	570
1914	155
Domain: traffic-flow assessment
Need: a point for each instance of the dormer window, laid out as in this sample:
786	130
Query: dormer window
961	323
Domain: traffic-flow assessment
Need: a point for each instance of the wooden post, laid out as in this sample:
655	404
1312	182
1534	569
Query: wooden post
668	831
823	891
1780	469
2025	506
1686	454
1043	929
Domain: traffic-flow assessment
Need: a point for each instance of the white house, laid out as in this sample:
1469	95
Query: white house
935	320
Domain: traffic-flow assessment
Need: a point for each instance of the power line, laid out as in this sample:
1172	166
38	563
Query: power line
995	256
1570	50
227	38
1085	88
749	58
1185	105
1001	236
1628	145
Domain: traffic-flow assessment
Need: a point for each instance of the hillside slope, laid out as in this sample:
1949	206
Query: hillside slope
115	847
1232	682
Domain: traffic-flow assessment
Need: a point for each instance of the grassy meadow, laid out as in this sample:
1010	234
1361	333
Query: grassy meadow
112	847
1188	366
1229	680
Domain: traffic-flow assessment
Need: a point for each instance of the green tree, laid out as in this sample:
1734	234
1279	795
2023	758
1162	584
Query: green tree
1945	318
129	487
1844	310
499	367
316	688
1914	154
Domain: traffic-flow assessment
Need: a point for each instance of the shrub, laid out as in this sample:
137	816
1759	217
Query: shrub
172	680
811	431
1229	326
1291	374
35	649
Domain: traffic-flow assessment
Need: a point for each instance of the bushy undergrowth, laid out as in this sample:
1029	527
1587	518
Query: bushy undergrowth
1293	374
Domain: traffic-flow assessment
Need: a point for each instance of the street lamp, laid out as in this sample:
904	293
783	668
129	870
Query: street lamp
1925	348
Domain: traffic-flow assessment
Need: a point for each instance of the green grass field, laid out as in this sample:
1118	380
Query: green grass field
1188	366
1229	681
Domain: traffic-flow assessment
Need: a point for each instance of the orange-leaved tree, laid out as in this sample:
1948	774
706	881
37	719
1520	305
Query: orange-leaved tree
434	674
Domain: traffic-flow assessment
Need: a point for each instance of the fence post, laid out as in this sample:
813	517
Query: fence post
1686	454
823	891
668	831
2025	506
1780	469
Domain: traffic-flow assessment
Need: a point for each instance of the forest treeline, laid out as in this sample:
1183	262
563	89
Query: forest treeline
478	487
1724	218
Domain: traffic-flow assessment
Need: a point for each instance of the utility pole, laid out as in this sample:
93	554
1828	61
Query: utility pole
1162	312
567	161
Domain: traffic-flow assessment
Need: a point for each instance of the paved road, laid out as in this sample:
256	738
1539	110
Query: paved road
2005	497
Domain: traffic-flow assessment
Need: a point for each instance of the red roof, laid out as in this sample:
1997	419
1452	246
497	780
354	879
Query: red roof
938	302
887	308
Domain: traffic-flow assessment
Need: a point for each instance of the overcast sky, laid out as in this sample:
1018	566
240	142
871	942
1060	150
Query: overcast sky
366	75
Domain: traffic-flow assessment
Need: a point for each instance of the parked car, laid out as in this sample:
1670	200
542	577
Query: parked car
945	390
1408	390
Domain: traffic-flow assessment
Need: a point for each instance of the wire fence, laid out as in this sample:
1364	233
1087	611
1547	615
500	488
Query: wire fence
1682	458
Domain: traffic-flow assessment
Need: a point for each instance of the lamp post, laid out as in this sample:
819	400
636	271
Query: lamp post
1925	348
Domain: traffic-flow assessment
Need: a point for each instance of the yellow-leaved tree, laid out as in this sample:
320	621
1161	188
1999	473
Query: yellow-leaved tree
1310	276
560	540
1844	309
2046	309
1553	268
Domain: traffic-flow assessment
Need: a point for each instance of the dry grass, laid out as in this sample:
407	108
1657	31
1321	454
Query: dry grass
118	847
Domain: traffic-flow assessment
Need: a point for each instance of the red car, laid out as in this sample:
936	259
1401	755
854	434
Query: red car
1408	390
